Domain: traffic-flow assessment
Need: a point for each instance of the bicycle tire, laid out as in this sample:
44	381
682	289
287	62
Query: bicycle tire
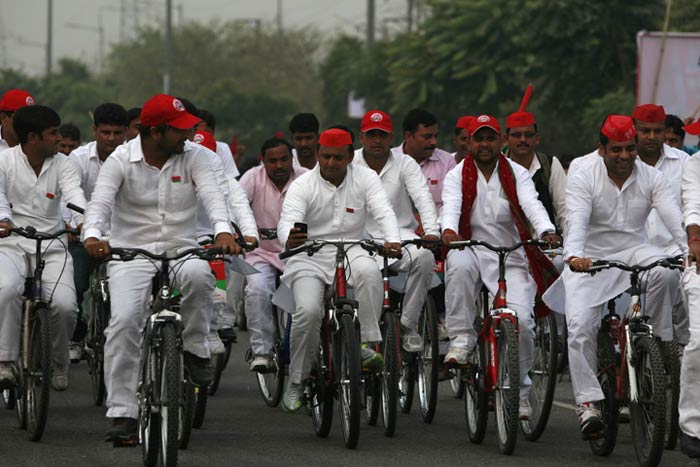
407	381
605	445
149	422
241	318
321	390
428	361
563	355
672	359
650	407
372	395
37	379
8	398
200	407
389	377
507	387
170	391
218	363
457	382
20	406
186	414
476	399
95	355
271	383
350	374
544	377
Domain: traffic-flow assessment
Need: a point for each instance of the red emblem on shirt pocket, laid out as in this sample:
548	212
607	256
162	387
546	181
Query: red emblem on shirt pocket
50	195
176	179
350	210
433	182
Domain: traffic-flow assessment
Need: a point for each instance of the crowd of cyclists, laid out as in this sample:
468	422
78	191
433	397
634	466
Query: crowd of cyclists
156	179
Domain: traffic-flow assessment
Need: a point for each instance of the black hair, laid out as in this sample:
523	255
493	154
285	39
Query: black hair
676	124
304	123
273	143
132	114
208	118
110	113
70	131
602	138
34	119
189	106
416	117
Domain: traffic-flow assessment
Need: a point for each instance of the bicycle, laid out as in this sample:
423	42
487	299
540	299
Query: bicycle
33	368
629	344
162	378
98	320
337	370
492	376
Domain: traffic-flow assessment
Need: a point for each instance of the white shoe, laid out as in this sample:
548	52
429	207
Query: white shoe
7	376
411	341
457	356
590	420
216	346
59	378
524	409
76	352
292	401
261	363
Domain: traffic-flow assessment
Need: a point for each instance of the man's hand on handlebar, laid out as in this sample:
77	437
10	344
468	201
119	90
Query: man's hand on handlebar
449	236
296	238
252	240
5	229
580	264
226	242
552	239
96	248
393	249
430	241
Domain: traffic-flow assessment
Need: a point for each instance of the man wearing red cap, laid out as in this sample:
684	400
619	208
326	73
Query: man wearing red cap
608	201
10	102
266	186
406	188
334	200
420	132
461	138
147	190
487	197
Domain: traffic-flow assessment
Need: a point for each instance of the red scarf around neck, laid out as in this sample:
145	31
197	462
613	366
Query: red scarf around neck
541	268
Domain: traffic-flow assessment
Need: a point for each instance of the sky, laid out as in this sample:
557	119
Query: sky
23	23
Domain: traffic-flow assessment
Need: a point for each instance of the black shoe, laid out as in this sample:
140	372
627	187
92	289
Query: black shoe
690	445
200	371
228	335
124	432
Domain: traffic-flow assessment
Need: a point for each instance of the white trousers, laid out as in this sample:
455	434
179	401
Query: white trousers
308	291
58	286
689	404
465	272
583	321
258	307
130	289
419	264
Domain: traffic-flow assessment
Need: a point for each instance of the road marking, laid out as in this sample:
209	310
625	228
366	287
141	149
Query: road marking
564	405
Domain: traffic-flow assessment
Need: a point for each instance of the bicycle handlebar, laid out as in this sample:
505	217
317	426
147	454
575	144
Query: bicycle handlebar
247	246
313	246
128	254
497	249
671	262
31	233
269	234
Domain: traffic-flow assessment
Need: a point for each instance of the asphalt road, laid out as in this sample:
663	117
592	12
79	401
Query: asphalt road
239	430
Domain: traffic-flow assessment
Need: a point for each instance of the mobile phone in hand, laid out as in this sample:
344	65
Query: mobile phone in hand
303	228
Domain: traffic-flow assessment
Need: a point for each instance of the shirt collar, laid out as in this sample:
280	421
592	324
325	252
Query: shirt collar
135	150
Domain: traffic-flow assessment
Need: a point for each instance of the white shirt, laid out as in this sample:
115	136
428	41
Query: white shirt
36	201
491	219
557	186
406	187
582	161
229	164
150	208
691	191
672	164
603	219
87	165
3	143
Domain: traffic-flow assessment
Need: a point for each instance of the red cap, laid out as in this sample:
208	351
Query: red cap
376	120
162	108
693	128
15	99
649	113
619	128
334	137
206	139
465	122
484	121
517	119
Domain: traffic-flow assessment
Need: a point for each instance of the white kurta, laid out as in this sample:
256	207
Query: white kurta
227	161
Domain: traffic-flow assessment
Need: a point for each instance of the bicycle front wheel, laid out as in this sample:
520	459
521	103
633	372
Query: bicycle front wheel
672	359
507	387
389	378
38	376
429	361
543	376
200	406
186	413
349	380
271	383
99	317
320	391
648	412
170	391
476	399
604	445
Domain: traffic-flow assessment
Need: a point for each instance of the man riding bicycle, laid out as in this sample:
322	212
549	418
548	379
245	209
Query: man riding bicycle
149	189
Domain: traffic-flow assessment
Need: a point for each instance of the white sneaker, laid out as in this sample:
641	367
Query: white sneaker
292	401
76	352
216	346
411	341
59	378
7	376
261	363
590	420
457	356
524	409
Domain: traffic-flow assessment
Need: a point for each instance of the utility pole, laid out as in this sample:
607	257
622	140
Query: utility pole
49	37
168	46
279	16
370	21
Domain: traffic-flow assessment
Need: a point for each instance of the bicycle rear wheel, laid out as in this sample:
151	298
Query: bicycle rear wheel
457	382
95	355
648	412
543	375
428	361
476	399
170	391
271	383
672	359
38	376
507	387
321	390
200	406
604	445
389	378
186	414
350	372
407	380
